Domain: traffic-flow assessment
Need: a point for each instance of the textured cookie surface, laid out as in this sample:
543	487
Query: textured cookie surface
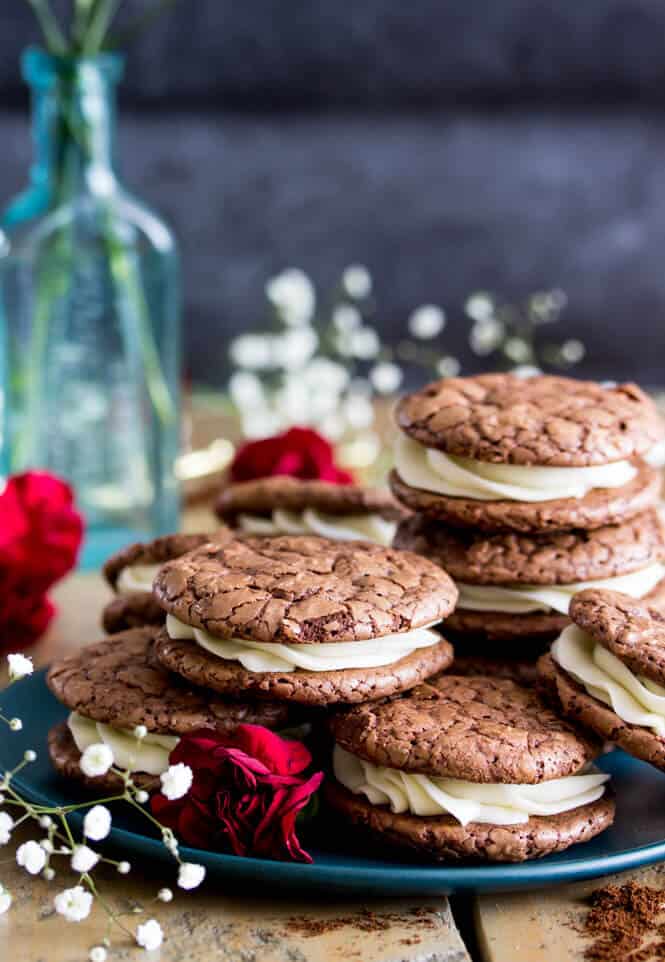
119	683
633	630
265	494
479	728
563	557
575	703
303	589
599	507
443	839
65	758
535	627
131	611
544	420
347	686
156	552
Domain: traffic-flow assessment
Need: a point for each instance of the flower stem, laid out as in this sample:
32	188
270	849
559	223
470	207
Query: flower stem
53	36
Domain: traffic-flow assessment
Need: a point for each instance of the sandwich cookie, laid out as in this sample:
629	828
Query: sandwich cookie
283	505
113	686
303	618
130	573
467	768
497	451
607	672
519	586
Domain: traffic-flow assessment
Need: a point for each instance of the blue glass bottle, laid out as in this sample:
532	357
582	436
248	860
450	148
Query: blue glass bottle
89	316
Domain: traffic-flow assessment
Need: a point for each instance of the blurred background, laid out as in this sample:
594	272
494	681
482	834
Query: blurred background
448	146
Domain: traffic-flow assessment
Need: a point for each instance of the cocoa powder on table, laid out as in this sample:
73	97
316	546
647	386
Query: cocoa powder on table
622	921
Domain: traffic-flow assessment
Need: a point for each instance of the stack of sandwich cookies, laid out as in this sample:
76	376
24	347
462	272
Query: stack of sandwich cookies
467	768
113	686
284	505
303	619
515	586
607	672
498	452
131	571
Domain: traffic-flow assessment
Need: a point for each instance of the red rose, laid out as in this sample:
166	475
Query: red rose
298	452
40	534
246	793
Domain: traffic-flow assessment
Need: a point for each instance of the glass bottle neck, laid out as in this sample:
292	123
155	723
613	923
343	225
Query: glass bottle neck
73	123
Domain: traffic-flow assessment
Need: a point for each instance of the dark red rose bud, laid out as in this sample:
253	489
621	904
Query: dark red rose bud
299	453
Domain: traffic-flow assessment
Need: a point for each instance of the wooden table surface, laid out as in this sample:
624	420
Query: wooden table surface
212	925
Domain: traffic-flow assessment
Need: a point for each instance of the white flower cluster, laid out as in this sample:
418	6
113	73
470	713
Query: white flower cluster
75	903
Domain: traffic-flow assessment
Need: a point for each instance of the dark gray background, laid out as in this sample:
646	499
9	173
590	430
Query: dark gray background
450	145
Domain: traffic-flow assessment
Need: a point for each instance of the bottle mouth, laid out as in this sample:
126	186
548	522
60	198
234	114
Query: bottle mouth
41	69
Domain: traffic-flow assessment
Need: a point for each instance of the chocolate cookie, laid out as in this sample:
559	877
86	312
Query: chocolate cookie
600	506
303	590
345	686
262	496
442	838
487	732
544	420
517	661
134	608
581	687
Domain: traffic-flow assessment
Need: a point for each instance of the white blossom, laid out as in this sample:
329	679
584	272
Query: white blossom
5	900
15	724
364	343
479	307
47	845
333	426
322	374
48	874
486	336
84	859
292	294
346	318
245	388
386	377
517	349
6	826
124	868
45	821
98	954
358	411
74	903
142	796
96	760
140	732
30	755
31	856
176	781
191	875
357	281
97	823
165	895
572	351
448	366
427	321
253	351
19	667
149	935
293	349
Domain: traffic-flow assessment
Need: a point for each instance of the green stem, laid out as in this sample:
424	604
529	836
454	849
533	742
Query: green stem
98	26
53	35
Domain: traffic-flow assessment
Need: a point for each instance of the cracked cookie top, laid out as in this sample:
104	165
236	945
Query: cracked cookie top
477	728
263	495
299	588
155	552
631	629
543	420
119	683
560	557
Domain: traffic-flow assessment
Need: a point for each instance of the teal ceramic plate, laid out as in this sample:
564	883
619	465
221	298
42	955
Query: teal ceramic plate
636	838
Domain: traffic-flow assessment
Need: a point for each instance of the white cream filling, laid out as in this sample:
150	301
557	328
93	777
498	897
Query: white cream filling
527	598
150	754
656	456
634	698
432	470
496	804
368	527
136	578
263	656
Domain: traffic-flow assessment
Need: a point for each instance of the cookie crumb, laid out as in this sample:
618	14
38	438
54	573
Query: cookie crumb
621	921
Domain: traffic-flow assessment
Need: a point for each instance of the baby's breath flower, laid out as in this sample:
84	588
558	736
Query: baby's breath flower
486	336
31	856
293	296
572	351
364	343
479	307
97	823
191	875
47	845
96	760
6	826
386	377
15	724
45	822
140	732
74	904
517	349
98	954
124	868
448	366
346	318
142	796
19	667
357	281
253	351
176	781
427	321
165	895
83	859
30	755
5	900
149	935
48	874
